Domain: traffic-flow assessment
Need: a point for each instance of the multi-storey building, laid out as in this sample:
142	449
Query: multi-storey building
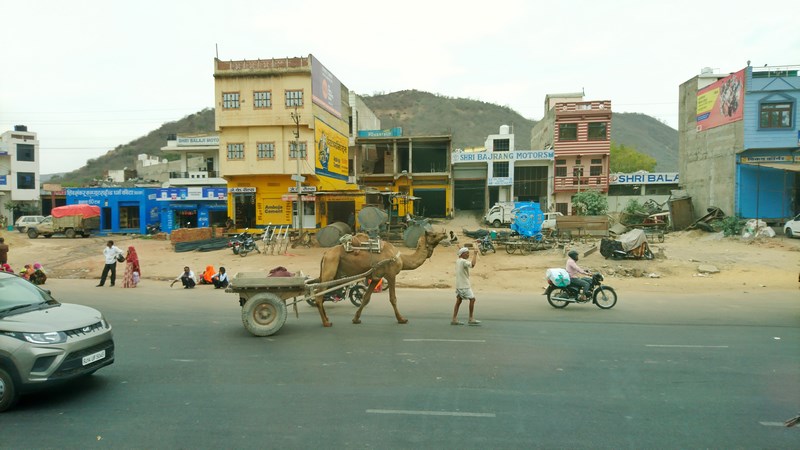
738	142
579	132
500	172
284	124
405	174
19	173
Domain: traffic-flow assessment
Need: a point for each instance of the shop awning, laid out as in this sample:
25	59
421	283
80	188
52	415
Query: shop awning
772	165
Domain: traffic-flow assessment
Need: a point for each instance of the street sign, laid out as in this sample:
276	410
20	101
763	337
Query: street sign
299	178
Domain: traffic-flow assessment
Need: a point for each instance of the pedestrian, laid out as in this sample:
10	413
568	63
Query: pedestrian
187	278
220	279
112	255
463	287
3	251
132	270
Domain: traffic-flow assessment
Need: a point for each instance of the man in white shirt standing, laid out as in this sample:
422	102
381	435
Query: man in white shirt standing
463	286
110	254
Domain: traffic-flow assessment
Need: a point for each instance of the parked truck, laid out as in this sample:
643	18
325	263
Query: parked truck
502	213
70	220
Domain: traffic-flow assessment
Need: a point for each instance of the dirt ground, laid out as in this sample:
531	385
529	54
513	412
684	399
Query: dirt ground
746	266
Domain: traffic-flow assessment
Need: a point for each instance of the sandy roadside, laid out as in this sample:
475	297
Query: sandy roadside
749	266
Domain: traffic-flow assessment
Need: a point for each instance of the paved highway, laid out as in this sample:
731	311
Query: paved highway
676	370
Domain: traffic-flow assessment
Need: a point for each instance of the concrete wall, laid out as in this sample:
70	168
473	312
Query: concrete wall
706	160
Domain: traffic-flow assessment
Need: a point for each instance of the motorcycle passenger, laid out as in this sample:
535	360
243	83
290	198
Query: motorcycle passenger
574	270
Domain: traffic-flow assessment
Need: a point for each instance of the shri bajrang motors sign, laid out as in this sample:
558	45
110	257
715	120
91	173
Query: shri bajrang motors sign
331	158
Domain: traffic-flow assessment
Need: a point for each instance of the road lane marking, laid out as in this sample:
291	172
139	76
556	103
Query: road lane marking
444	340
686	346
429	413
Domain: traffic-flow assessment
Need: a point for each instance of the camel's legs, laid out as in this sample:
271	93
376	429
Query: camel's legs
322	314
365	299
393	300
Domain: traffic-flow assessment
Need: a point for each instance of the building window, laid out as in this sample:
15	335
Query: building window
598	131
500	169
563	208
596	167
26	180
236	151
262	99
230	100
293	150
294	98
501	145
561	167
266	150
25	152
776	115
568	132
577	171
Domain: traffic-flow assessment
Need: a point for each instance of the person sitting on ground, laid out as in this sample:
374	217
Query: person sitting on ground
207	275
6	268
453	238
220	280
187	278
574	270
38	276
26	272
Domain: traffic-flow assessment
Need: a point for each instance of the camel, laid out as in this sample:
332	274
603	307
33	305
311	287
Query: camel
338	263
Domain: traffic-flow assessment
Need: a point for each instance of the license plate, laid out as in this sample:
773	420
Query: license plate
94	357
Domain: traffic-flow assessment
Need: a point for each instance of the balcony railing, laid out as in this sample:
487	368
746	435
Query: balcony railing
575	183
195	175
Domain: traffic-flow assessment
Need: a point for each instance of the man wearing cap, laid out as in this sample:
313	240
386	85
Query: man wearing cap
463	288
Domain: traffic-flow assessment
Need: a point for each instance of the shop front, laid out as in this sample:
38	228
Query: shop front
192	207
122	210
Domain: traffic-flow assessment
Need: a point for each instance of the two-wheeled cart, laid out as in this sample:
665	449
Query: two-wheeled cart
264	300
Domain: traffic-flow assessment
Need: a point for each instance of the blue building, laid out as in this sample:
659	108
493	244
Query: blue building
122	210
739	142
192	207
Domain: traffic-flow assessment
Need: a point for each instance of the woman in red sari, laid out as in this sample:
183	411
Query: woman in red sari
132	271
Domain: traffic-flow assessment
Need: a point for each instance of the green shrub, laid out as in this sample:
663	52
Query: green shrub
590	203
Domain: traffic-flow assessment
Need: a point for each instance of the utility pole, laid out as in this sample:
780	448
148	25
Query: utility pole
297	177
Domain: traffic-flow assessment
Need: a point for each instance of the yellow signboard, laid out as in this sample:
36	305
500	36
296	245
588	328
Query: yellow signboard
331	158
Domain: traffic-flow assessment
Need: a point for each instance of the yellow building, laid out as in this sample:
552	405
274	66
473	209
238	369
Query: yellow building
280	120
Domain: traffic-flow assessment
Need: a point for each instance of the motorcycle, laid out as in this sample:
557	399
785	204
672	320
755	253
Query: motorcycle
353	292
243	243
247	245
605	297
154	228
485	245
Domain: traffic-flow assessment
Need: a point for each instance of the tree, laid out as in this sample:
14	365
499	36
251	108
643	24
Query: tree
628	159
590	203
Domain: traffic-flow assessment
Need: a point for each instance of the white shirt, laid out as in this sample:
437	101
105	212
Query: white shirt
462	273
190	274
220	276
110	253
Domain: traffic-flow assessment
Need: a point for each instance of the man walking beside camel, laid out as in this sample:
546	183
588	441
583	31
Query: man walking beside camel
463	287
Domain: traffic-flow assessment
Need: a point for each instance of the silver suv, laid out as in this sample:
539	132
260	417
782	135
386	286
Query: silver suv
44	342
24	222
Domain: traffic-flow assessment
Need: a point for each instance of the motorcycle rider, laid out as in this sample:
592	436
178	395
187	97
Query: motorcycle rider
574	270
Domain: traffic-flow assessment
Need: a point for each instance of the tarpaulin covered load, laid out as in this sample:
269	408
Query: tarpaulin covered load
632	239
86	211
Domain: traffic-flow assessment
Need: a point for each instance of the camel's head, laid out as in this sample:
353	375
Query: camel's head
432	239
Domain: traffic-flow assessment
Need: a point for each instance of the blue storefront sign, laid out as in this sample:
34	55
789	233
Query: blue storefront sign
192	207
122	210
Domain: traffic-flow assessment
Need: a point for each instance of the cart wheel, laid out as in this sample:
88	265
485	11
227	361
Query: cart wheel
264	314
510	248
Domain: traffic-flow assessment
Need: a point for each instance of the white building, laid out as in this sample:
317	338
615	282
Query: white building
19	172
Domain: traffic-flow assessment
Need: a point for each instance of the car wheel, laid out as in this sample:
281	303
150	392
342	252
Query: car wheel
788	232
8	392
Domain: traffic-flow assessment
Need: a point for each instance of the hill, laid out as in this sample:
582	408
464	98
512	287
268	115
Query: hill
470	121
419	113
125	155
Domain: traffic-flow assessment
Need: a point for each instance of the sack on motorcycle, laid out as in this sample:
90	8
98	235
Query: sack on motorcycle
559	277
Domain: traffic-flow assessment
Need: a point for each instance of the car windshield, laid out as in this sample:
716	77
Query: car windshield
18	295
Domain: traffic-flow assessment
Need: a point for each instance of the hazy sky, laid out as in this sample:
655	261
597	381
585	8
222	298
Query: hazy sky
90	75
